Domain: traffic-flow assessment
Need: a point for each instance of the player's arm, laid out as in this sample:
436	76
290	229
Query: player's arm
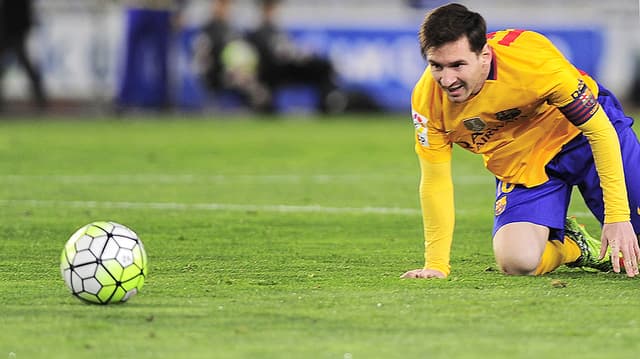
436	199
564	87
438	214
586	113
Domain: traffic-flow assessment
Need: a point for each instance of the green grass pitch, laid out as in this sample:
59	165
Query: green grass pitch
275	238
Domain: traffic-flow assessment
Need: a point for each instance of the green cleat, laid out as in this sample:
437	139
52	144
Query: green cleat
589	247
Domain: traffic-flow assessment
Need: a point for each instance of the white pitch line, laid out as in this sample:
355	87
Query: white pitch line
278	208
190	178
212	207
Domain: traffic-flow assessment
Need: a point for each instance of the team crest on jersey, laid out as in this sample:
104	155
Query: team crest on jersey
509	114
501	204
420	124
583	106
587	99
474	124
584	95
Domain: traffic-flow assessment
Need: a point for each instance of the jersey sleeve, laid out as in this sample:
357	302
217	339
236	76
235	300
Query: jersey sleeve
438	214
432	144
434	148
431	140
608	160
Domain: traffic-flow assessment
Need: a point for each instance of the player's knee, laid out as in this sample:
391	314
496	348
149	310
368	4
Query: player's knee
518	265
518	247
517	270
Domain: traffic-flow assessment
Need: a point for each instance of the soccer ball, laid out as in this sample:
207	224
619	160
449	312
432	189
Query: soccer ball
104	262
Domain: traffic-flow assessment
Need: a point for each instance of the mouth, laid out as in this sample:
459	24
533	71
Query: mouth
455	90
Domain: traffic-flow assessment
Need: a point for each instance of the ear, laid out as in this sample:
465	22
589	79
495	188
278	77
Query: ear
486	54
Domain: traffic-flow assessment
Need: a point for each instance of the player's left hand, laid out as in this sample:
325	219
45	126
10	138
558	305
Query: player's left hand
621	238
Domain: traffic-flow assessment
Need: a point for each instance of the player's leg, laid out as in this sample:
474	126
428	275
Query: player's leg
523	248
32	72
519	246
529	228
589	247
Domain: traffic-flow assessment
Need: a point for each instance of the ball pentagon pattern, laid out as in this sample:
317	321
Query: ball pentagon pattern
104	262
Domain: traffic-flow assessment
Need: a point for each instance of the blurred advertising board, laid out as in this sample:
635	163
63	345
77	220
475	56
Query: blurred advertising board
381	62
386	63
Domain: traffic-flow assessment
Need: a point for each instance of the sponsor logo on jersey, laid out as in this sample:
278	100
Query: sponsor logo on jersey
509	114
501	204
481	133
474	124
420	124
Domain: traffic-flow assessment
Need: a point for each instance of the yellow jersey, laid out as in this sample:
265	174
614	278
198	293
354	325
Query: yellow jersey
515	122
532	103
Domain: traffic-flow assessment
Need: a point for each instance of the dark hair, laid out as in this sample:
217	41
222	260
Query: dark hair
449	23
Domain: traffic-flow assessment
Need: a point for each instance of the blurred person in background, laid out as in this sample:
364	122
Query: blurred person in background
145	78
16	20
542	127
280	63
226	62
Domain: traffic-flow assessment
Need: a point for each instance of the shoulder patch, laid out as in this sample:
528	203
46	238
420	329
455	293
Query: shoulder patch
420	125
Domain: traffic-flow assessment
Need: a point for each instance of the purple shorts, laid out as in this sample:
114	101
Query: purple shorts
547	204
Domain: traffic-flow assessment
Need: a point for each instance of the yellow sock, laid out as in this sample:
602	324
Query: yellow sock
556	254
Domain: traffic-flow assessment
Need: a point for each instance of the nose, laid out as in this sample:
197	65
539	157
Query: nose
448	77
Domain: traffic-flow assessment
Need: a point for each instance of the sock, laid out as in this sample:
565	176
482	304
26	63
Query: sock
557	253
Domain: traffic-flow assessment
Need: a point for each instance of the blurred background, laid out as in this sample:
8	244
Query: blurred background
101	56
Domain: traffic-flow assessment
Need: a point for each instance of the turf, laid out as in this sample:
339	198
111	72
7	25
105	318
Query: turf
275	238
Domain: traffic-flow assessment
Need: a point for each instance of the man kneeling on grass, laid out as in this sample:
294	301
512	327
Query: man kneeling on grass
542	126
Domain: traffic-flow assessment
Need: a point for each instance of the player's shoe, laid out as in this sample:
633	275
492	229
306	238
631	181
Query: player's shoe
589	247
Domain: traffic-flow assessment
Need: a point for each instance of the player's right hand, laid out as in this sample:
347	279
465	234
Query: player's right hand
423	273
621	239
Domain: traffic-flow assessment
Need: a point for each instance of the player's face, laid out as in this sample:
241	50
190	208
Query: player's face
459	71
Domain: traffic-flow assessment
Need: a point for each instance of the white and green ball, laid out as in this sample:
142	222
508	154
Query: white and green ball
104	262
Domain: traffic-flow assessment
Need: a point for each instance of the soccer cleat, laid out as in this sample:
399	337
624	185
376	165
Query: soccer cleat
589	247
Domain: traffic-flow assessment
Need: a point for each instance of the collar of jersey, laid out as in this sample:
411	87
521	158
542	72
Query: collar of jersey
493	70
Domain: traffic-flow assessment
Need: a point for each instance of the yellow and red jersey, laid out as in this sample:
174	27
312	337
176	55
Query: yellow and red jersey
515	122
533	102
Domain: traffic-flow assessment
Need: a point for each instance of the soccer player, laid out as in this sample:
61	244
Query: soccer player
282	64
16	20
542	126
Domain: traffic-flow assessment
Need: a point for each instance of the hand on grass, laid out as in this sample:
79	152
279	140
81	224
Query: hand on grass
423	273
621	238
